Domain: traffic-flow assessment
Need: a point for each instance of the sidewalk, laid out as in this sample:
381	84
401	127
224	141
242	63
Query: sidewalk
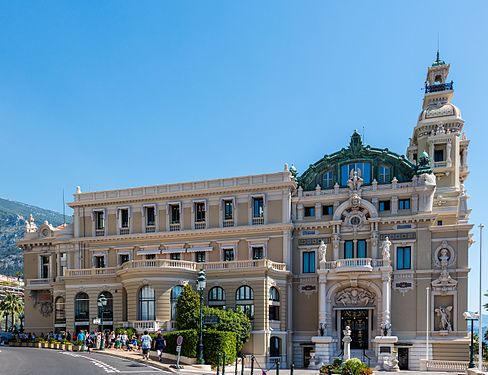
137	357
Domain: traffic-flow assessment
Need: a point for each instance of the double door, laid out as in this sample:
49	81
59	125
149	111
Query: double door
358	322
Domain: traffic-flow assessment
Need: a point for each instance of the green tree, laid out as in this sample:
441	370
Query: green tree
188	309
12	306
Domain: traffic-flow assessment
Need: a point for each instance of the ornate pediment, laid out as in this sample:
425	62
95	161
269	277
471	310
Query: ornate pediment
351	297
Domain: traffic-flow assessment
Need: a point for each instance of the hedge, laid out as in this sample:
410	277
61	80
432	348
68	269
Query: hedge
190	342
129	330
215	342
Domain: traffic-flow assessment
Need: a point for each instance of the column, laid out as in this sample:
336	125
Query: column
318	211
386	299
322	301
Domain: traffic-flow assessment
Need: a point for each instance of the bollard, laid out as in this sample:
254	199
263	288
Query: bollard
292	368
235	370
218	363
242	364
252	365
223	363
277	363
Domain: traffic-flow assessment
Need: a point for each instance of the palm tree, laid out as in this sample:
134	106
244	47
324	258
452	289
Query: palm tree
11	305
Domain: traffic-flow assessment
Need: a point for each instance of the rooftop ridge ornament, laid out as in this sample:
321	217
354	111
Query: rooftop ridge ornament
356	144
438	60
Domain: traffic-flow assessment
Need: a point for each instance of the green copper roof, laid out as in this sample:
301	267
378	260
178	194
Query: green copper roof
400	166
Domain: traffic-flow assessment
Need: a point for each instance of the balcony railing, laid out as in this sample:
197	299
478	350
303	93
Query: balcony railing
178	264
439	87
174	227
258	220
146	325
200	225
89	272
124	231
150	229
228	223
33	282
355	264
99	232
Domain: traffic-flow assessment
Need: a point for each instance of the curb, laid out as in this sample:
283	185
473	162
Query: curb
152	362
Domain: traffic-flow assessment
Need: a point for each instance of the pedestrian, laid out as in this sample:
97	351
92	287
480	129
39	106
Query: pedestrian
160	344
125	340
145	345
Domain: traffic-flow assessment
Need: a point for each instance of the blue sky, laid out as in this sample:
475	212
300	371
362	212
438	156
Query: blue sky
108	94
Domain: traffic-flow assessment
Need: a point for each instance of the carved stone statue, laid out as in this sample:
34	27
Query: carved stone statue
347	342
386	249
322	329
322	252
30	225
445	314
355	180
354	297
391	363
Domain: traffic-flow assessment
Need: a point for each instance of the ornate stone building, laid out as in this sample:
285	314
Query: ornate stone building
363	238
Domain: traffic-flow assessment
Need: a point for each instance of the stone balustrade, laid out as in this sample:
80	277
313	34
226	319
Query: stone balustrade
449	366
355	264
147	325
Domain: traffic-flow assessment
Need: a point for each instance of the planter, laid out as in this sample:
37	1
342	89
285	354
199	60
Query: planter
69	348
77	348
51	345
37	345
44	345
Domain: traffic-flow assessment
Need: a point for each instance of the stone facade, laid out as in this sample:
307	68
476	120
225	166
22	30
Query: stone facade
363	238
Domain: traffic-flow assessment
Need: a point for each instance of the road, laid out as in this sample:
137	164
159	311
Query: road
32	361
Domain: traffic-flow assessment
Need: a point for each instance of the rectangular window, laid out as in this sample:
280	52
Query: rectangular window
310	211
439	154
175	256
99	220
150	256
404	204
248	310
200	257
99	261
348	249
384	206
228	255
274	312
44	267
150	216
308	262
123	258
124	217
363	170
258	207
174	210
384	175
228	210
362	249
257	252
199	212
404	258
327	210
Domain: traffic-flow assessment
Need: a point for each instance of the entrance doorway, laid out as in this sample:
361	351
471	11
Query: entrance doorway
306	355
403	358
357	320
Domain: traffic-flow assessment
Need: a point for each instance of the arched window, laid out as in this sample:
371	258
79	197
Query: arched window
175	294
274	346
328	180
82	307
362	168
216	297
147	301
245	300
244	292
108	309
274	295
274	304
384	174
59	311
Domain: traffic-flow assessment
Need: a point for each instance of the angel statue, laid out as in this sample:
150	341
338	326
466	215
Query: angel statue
386	249
445	314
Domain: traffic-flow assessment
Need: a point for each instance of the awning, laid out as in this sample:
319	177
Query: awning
173	250
148	251
197	249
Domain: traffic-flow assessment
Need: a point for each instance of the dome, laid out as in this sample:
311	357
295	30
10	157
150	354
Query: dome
436	110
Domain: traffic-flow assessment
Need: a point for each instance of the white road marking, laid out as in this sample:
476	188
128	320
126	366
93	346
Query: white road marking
110	369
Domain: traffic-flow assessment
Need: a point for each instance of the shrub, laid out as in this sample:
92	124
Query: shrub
190	342
231	321
215	342
355	366
188	309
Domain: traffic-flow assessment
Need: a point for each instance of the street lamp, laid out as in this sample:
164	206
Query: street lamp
201	284
471	317
102	302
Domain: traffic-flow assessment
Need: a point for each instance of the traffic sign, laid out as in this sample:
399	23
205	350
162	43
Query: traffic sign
211	319
179	340
178	348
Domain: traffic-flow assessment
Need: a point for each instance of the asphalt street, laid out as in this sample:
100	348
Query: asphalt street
32	361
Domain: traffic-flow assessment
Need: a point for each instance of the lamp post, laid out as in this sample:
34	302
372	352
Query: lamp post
201	284
480	307
102	302
471	317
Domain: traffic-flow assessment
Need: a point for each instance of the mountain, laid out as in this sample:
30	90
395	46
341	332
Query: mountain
13	216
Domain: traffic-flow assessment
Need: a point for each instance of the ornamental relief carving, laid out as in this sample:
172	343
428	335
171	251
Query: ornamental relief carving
444	255
354	297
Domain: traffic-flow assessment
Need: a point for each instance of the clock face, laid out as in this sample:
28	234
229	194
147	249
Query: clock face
45	232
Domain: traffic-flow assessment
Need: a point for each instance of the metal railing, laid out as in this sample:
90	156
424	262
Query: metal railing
150	229
175	227
123	231
439	87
